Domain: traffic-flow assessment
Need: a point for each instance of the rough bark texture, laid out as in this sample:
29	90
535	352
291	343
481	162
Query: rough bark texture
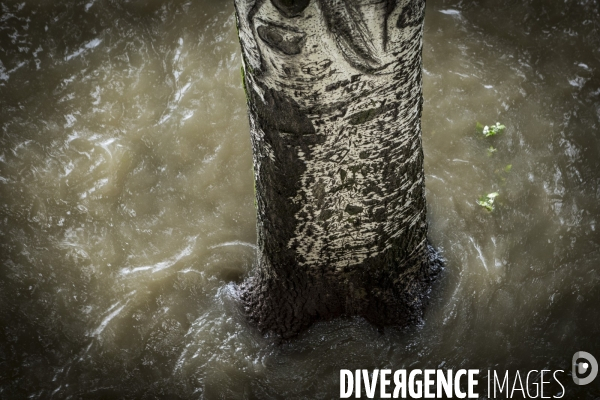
334	98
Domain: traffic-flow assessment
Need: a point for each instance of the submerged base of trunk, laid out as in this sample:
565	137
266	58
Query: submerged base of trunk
287	305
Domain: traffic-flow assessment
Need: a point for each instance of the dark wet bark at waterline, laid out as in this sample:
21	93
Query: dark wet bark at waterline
334	99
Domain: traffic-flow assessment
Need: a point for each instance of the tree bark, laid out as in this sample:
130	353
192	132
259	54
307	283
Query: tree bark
334	98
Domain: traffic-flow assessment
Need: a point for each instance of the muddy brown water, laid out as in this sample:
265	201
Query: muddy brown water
126	203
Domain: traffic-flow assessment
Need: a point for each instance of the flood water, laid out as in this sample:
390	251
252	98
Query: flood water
127	216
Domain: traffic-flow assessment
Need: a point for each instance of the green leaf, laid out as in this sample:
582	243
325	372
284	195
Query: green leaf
508	168
491	130
491	150
487	201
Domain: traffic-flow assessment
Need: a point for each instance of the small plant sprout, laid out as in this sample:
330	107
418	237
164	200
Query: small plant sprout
491	130
487	201
491	150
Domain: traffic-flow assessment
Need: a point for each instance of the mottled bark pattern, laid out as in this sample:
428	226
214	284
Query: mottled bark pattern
334	98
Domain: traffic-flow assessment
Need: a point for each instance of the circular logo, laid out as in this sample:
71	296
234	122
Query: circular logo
588	367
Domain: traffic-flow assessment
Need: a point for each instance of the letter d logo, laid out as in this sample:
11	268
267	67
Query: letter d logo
590	364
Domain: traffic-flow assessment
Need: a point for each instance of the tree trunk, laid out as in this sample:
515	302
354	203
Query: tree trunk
334	98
